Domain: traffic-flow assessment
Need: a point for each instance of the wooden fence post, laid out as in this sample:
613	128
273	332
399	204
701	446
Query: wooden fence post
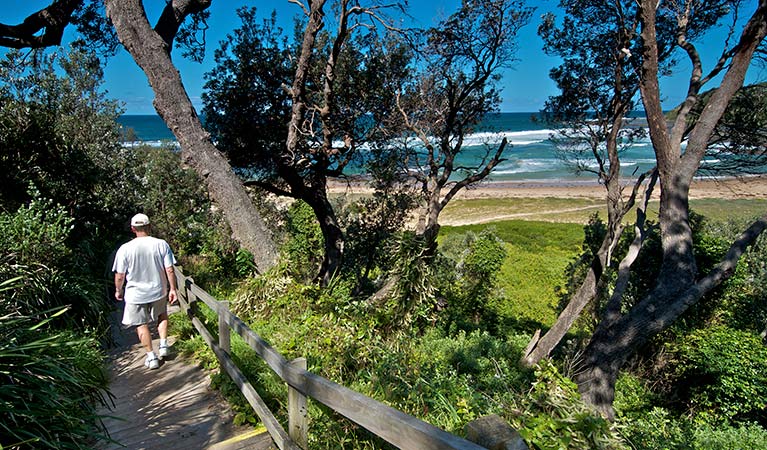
191	306
224	336
297	411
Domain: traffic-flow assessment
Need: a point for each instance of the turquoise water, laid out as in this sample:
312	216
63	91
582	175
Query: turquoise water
530	156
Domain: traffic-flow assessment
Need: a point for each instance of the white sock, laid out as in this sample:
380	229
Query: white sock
163	342
150	355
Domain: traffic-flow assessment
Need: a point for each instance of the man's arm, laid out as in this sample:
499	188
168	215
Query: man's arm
172	295
119	284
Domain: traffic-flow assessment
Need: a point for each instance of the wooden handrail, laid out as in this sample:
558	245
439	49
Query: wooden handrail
399	429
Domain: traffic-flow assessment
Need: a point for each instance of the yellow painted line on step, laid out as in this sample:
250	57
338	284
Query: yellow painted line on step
242	437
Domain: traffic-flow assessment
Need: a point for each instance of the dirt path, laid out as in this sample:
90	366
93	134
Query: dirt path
494	218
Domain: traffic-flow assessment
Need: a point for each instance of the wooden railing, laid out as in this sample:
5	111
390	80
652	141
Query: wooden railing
394	426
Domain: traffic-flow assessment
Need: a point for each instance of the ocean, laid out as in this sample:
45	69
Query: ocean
529	157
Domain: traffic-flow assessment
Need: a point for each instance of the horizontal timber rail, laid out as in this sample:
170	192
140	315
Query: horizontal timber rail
394	426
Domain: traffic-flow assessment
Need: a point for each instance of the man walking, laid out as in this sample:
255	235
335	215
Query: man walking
144	267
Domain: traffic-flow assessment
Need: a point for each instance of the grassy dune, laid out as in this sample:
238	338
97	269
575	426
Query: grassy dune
578	210
542	236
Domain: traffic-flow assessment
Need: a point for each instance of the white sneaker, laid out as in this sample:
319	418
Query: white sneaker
164	350
152	363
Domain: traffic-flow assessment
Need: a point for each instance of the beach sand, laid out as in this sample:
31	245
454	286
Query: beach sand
726	188
542	200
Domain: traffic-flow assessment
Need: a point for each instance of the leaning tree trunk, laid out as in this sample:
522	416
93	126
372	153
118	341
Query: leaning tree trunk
675	289
540	348
172	103
612	345
331	233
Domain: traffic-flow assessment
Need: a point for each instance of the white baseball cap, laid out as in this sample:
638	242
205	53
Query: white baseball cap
139	220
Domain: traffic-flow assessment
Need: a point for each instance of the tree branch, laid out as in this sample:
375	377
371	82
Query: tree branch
173	15
477	176
53	19
269	188
613	309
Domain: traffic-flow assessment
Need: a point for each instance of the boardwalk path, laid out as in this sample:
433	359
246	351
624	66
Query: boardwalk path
171	407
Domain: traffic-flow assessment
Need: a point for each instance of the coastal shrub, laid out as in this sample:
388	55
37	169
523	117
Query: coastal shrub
739	302
660	428
445	379
467	273
720	374
642	421
58	133
552	415
713	437
303	249
37	232
52	384
371	225
175	199
34	245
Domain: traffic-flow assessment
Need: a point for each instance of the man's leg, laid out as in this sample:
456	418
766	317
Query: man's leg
162	325
162	329
145	336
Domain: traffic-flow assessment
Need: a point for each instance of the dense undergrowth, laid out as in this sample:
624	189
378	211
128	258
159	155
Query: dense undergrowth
444	346
67	190
697	386
51	325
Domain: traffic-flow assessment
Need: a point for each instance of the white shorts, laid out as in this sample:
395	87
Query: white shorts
144	313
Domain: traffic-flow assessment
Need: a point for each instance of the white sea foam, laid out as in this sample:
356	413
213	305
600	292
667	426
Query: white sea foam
155	144
514	137
524	166
530	155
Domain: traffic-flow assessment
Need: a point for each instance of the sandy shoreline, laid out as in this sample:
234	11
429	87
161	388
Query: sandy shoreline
727	188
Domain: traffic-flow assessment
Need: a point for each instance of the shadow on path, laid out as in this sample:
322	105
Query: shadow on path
168	408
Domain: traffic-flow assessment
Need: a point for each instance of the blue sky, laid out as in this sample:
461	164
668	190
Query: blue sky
525	87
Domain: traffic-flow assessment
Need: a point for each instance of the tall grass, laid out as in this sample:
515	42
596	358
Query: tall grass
51	385
51	382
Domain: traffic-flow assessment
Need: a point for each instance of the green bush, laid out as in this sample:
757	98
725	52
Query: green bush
739	302
34	246
552	416
37	232
51	385
175	199
304	247
720	374
746	436
370	226
658	428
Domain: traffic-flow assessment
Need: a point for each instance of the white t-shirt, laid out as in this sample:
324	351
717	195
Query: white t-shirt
143	261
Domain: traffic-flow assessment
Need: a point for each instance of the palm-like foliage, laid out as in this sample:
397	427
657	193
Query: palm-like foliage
50	387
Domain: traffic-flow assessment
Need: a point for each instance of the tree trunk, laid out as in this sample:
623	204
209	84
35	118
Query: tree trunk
603	358
172	103
675	289
540	348
612	345
331	234
428	225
